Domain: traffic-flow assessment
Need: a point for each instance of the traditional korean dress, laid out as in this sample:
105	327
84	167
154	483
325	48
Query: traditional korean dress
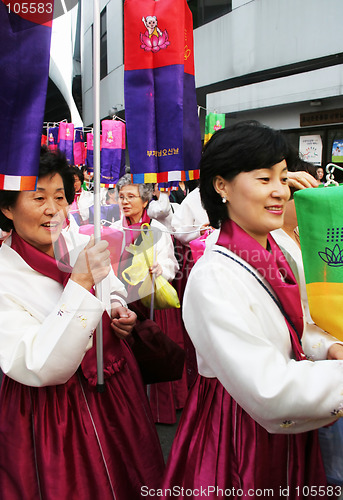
248	425
59	437
165	397
189	217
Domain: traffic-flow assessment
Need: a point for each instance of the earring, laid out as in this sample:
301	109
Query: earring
224	200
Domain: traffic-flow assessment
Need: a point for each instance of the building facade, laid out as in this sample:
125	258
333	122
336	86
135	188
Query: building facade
277	61
64	95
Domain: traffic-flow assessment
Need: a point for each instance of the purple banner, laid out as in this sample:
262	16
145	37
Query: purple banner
164	137
53	138
66	140
24	65
79	148
112	163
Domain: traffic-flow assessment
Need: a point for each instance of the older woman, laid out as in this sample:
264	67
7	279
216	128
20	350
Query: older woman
248	426
59	437
133	199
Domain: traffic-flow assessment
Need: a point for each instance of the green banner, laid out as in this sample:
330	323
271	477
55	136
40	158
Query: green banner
213	122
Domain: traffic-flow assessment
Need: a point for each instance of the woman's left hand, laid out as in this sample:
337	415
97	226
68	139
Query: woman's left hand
123	320
156	269
335	351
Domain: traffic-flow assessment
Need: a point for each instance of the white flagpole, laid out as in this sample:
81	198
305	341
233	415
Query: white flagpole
96	159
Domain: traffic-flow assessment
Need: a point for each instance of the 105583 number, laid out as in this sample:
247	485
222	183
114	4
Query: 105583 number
30	8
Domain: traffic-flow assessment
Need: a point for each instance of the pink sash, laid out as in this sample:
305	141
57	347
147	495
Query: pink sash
273	266
60	271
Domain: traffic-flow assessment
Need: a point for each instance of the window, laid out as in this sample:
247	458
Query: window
328	134
205	11
103	44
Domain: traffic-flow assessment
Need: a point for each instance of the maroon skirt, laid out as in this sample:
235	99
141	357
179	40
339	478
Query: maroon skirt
219	447
70	441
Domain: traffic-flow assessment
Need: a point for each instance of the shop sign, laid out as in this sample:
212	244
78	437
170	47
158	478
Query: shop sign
310	148
322	117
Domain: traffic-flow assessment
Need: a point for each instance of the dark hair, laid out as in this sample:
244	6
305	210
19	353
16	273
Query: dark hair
243	147
77	171
50	163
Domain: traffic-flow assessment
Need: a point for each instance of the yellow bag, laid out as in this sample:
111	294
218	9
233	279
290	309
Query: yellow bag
165	295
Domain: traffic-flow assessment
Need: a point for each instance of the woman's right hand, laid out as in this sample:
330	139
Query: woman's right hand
93	264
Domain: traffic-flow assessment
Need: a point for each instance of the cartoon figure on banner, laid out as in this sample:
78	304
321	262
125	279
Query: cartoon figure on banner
153	39
151	25
67	132
217	126
109	137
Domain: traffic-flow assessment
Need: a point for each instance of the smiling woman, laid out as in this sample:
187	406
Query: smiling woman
251	414
48	315
256	200
38	216
51	166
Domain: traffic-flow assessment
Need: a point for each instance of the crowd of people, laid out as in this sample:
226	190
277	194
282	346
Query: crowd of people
259	378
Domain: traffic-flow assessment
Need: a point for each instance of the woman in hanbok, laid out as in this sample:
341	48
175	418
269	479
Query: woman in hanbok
249	426
83	198
133	200
165	398
160	208
190	220
61	438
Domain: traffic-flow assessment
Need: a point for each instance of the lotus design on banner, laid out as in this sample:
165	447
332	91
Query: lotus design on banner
332	257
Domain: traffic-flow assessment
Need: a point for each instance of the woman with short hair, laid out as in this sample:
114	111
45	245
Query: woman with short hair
265	384
59	437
